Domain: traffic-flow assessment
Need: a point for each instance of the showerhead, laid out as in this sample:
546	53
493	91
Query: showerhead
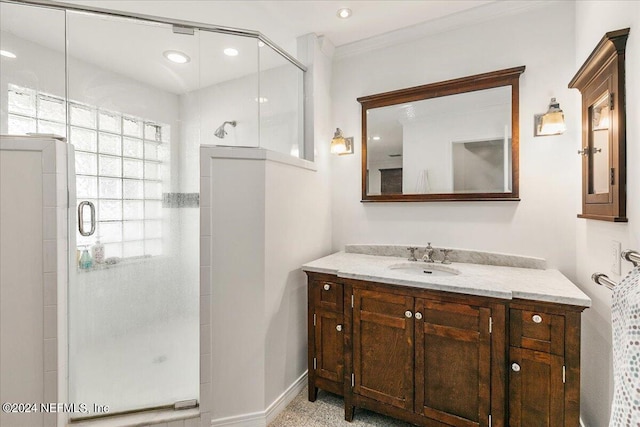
220	132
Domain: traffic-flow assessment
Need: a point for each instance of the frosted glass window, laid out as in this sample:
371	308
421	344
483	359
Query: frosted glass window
152	209
110	210
110	166
84	139
133	230
110	144
86	187
19	125
22	101
153	247
151	151
132	249
110	231
86	163
152	190
133	209
133	168
151	170
133	189
51	127
132	127
50	108
153	229
120	163
113	250
110	188
109	122
82	115
132	147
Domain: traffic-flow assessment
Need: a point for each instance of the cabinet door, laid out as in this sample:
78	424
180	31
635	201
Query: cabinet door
536	389
383	347
329	346
453	363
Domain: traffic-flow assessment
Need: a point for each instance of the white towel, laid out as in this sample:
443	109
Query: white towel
625	319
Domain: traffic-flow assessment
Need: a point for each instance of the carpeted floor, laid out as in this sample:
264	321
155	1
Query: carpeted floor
328	411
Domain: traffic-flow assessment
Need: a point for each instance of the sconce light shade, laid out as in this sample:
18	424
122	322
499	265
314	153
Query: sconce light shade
551	122
341	145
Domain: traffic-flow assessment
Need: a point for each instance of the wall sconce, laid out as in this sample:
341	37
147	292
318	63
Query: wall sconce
551	122
341	145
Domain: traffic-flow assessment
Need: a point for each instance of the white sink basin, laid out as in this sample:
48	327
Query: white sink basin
424	269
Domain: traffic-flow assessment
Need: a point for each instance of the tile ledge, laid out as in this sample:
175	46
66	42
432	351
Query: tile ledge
138	419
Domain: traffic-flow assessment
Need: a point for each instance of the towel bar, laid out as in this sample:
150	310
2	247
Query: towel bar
603	280
631	256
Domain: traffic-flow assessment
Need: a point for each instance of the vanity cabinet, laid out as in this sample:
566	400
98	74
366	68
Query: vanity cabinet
437	358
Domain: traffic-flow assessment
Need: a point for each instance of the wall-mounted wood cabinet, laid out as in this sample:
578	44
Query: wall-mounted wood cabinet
601	81
443	359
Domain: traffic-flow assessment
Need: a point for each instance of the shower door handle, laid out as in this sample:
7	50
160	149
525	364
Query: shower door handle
92	208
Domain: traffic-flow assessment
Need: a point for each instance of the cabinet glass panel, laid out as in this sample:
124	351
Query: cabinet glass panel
599	123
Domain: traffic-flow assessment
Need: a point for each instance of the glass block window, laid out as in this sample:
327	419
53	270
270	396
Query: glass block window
121	162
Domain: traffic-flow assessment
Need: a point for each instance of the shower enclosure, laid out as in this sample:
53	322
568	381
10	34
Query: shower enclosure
136	119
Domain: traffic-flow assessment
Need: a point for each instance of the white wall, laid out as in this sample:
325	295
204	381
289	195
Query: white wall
549	168
593	19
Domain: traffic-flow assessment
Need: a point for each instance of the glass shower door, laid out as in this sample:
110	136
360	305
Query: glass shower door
134	282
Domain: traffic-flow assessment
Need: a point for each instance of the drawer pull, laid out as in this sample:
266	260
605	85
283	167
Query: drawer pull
339	328
418	315
537	318
408	314
515	367
327	286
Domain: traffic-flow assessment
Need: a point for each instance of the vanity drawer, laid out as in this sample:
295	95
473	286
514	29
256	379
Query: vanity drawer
537	330
327	295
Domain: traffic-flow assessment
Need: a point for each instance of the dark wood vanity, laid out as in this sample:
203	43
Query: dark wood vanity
435	358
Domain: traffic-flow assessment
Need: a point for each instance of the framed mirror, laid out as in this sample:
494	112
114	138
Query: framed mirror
452	140
600	80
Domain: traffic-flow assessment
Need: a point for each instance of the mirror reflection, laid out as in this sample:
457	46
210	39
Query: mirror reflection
599	136
453	144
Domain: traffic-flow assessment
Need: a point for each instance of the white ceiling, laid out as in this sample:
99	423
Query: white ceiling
134	50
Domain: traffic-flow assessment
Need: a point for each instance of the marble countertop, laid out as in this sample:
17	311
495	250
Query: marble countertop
474	279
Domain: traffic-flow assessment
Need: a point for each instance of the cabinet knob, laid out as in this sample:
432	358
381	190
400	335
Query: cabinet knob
418	315
537	318
327	286
339	328
408	314
515	367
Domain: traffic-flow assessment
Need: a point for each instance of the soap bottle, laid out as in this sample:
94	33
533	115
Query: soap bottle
97	252
85	260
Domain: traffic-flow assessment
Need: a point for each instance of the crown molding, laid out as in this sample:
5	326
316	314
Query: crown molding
448	23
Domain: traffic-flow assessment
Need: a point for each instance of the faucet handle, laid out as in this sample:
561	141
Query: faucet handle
445	253
412	253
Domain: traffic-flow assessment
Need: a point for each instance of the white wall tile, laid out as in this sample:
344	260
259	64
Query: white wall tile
50	321
50	354
205	251
205	221
49	256
205	369
50	288
49	159
205	192
51	387
205	338
205	281
49	190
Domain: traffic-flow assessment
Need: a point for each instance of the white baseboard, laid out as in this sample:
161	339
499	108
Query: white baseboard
263	418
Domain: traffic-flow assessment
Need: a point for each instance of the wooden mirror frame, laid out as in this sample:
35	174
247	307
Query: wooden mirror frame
494	79
604	68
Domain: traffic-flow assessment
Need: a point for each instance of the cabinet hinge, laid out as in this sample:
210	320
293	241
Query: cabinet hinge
611	102
490	420
314	319
315	363
352	300
564	374
612	176
353	380
490	325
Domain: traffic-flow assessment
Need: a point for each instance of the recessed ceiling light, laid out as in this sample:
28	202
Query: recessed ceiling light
376	138
260	43
231	51
177	57
7	54
262	100
344	13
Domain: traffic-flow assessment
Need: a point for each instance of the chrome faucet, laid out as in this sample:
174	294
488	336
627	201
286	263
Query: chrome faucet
428	253
445	253
412	253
